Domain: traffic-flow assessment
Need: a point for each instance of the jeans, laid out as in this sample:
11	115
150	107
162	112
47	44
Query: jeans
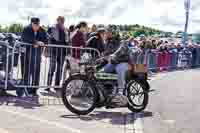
121	70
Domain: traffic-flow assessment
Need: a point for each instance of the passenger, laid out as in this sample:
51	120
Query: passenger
97	41
112	43
119	63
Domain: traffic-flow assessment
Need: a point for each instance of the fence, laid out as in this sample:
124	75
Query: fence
172	60
29	66
47	66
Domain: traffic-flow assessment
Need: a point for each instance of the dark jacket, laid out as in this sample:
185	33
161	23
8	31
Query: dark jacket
58	36
28	36
78	40
111	46
122	54
127	54
96	43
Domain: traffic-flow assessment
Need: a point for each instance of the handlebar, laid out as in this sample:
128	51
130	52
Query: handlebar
97	64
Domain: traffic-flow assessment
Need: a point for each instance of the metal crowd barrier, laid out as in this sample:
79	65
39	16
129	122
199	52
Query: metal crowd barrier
48	66
5	58
172	60
39	66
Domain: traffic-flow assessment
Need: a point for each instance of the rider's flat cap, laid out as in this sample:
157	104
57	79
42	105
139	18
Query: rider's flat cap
35	20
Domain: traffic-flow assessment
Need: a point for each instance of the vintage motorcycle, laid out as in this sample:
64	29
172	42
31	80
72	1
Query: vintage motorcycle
92	88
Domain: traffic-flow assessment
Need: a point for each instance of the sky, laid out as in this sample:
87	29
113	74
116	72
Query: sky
168	15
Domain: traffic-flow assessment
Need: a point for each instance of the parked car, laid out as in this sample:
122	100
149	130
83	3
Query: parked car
2	37
14	36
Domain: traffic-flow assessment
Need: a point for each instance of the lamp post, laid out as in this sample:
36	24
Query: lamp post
28	19
187	9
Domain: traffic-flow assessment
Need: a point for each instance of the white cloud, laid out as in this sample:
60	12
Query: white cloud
163	14
170	14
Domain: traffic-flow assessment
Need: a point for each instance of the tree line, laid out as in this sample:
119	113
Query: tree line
134	30
13	28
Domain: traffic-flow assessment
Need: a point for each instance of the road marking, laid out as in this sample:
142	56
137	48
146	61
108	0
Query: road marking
138	124
158	76
18	99
171	122
73	130
4	131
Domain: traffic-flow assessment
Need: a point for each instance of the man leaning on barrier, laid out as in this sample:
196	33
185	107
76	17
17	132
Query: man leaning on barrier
58	36
36	37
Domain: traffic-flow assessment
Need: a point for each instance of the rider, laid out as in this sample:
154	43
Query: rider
119	63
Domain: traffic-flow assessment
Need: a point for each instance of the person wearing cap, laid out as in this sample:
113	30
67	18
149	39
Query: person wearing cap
58	36
97	41
36	36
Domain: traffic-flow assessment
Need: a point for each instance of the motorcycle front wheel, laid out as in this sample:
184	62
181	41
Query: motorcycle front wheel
138	96
79	95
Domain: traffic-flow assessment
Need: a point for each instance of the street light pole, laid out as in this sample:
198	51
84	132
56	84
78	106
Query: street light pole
187	9
28	19
186	23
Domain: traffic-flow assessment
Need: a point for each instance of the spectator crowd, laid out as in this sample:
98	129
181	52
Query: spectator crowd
160	55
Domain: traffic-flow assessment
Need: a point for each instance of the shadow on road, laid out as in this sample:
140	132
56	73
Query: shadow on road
26	102
51	94
115	118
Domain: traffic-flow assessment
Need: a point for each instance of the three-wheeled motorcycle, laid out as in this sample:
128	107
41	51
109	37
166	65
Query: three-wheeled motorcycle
93	88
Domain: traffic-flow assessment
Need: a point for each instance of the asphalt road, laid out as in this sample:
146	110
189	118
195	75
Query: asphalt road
174	108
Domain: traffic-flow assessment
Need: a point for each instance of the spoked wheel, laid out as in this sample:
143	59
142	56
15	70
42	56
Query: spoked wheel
137	96
78	95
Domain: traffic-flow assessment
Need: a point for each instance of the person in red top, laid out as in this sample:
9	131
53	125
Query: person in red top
78	38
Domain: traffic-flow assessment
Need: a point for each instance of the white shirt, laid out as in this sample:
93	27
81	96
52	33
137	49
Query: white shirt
35	33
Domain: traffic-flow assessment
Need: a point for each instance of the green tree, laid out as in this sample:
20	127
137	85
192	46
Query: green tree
137	25
139	32
1	29
5	29
15	28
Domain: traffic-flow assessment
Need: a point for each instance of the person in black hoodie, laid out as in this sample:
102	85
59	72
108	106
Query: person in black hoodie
97	40
112	43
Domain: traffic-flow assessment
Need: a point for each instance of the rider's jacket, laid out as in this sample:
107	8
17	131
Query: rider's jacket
121	55
111	46
125	53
